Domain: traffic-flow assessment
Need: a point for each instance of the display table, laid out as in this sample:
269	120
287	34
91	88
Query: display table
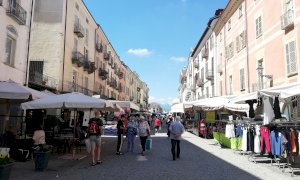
232	143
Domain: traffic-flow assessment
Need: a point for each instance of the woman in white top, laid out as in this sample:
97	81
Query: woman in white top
143	132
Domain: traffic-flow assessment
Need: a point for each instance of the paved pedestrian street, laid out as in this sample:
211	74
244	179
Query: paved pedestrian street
200	159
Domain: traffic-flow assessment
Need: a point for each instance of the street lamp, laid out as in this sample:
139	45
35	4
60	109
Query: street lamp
260	73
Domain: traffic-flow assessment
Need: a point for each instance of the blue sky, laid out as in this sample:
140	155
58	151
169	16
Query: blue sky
154	37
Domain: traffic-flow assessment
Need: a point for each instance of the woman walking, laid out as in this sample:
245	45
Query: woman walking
144	132
131	133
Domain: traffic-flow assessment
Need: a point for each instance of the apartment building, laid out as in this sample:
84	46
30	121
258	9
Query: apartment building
258	45
70	52
254	45
15	22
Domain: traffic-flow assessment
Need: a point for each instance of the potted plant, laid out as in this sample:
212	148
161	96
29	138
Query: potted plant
41	156
5	163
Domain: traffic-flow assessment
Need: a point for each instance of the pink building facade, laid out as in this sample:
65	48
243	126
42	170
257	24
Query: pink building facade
257	45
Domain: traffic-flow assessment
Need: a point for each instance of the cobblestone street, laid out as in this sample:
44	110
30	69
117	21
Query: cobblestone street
200	159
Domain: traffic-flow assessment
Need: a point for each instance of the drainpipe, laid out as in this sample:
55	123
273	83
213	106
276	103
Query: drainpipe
247	48
64	53
225	64
95	61
28	46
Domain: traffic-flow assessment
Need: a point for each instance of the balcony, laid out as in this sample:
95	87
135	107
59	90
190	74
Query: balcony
103	73
77	58
37	78
79	30
220	68
74	87
120	75
113	65
138	89
106	56
287	19
205	53
99	47
16	11
209	74
200	82
1	2
89	66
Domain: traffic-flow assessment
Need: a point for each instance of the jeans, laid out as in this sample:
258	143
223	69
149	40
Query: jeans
143	142
174	143
130	142
120	142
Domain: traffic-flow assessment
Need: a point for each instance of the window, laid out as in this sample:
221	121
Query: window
260	73
230	84
242	79
291	58
86	36
240	11
258	24
207	92
220	36
75	44
221	89
229	51
10	50
229	24
87	21
241	41
211	42
77	7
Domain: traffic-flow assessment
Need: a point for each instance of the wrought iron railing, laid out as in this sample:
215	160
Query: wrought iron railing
77	58
16	11
79	30
42	79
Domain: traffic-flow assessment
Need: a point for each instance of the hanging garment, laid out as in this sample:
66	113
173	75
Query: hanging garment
277	143
238	131
293	141
244	140
268	111
251	109
202	129
257	139
265	140
299	141
276	108
250	139
229	131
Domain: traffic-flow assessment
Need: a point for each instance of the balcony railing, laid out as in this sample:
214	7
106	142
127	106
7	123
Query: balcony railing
42	80
220	68
89	66
16	11
103	73
106	56
287	19
200	82
73	87
1	2
209	74
120	75
99	47
79	30
77	58
205	53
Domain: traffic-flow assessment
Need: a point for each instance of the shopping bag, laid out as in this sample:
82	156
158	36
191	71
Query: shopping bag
88	145
148	144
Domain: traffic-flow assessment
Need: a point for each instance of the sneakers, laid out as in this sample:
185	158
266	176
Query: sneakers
119	153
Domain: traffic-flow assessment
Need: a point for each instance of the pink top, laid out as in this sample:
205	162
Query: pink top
39	137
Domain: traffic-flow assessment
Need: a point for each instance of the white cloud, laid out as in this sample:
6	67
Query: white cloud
139	52
178	59
161	100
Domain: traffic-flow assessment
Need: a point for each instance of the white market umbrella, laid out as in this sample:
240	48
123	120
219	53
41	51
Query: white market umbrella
126	104
12	90
177	108
72	100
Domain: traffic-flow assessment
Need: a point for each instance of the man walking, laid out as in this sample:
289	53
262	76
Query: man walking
176	130
95	131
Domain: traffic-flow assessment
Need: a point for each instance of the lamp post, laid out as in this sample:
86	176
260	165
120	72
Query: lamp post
261	75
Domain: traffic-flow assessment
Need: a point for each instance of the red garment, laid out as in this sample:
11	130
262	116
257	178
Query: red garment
202	128
156	122
265	139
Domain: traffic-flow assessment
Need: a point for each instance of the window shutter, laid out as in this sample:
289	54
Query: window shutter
287	58
292	59
237	44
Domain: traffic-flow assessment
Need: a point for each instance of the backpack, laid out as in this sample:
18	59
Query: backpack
94	128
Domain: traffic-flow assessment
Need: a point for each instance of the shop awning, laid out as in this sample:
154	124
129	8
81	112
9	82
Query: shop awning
177	108
215	103
244	97
126	104
284	91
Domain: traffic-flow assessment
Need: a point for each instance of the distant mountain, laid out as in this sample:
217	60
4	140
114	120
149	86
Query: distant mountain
166	107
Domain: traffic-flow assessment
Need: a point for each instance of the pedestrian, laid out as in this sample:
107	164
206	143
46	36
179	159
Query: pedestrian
120	131
143	131
131	133
157	124
95	131
170	120
176	130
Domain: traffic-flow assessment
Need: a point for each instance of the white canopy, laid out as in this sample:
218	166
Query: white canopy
284	91
237	107
37	94
12	90
214	103
73	100
244	97
177	108
126	104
